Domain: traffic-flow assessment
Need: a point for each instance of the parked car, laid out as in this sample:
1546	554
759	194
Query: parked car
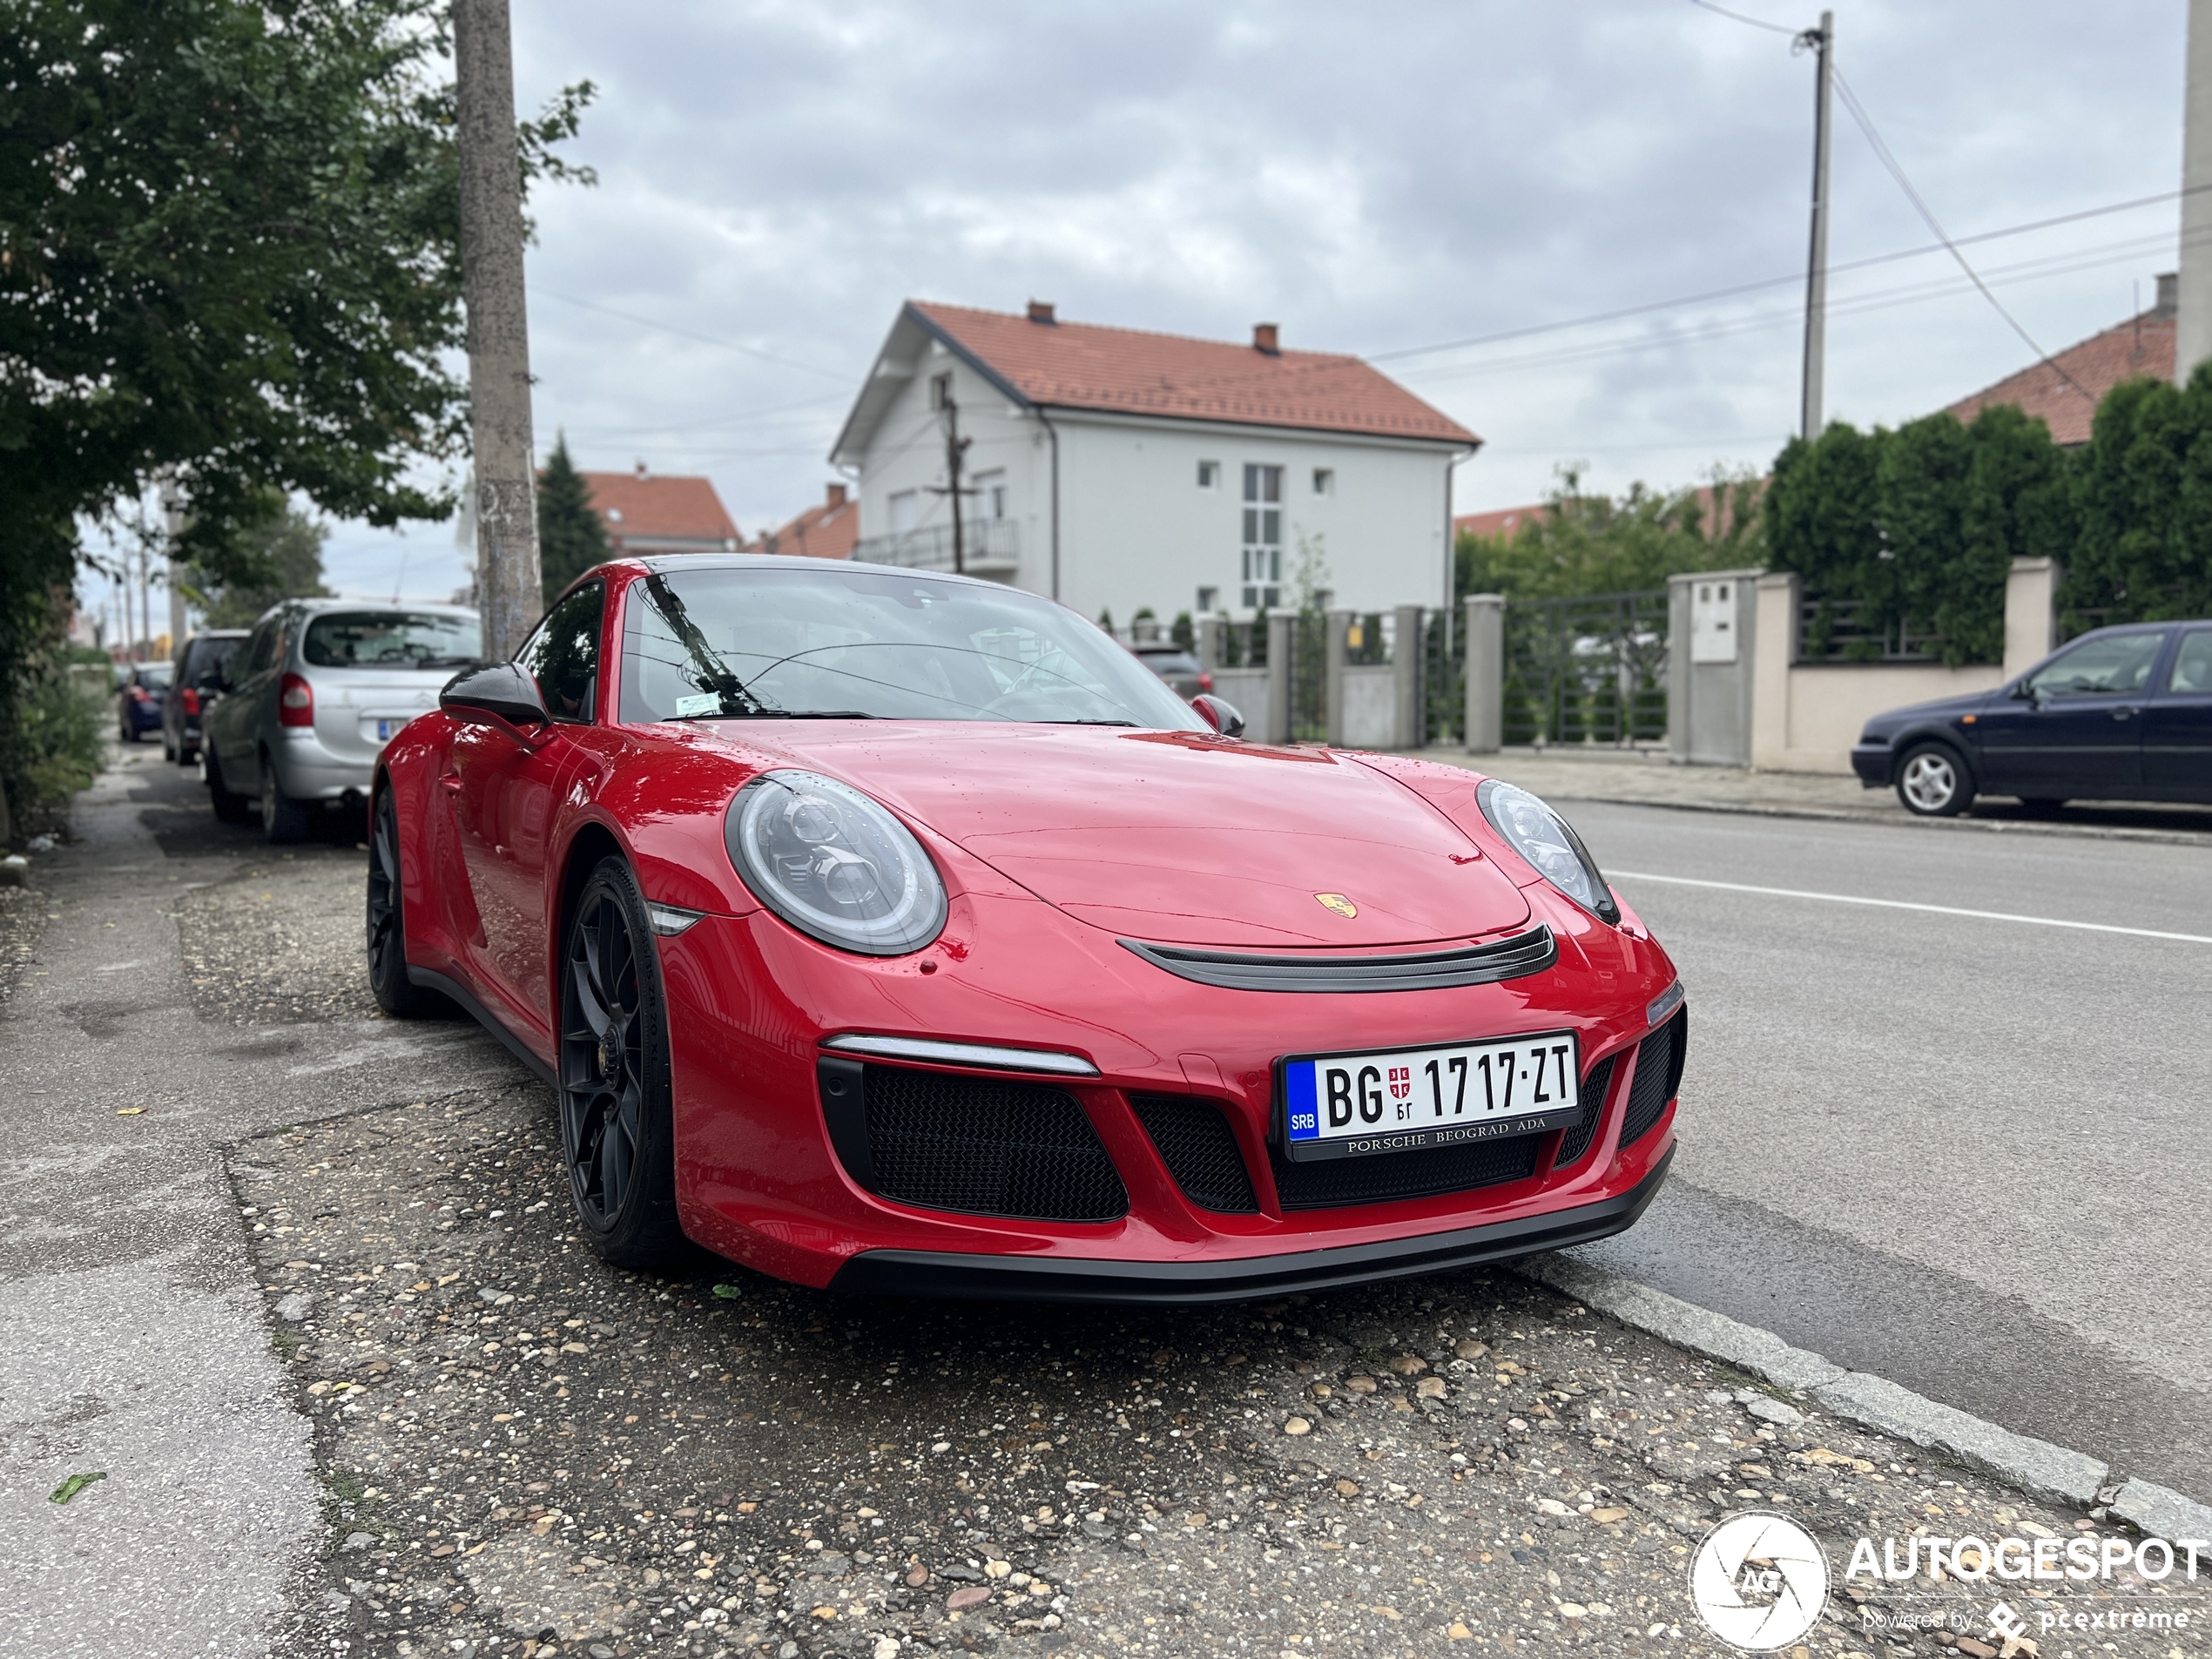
1179	668
199	674
895	931
2124	713
313	696
143	688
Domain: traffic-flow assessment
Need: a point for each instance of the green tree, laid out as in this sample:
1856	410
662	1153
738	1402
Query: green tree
2144	550
571	538
230	254
1583	544
280	558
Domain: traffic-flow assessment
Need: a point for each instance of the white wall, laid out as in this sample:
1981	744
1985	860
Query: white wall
1136	530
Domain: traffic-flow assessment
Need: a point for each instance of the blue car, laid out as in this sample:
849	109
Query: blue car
2124	713
140	700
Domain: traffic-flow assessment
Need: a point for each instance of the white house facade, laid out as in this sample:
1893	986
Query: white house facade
1115	470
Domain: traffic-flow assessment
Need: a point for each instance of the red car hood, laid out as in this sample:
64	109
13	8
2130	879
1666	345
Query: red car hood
1177	837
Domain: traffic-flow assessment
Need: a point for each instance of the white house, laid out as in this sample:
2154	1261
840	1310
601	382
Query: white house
1115	469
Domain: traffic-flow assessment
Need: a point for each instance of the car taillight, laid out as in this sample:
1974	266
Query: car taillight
296	702
192	700
1205	680
137	693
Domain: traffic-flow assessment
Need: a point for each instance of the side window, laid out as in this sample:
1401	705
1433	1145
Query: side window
2193	663
563	654
2116	663
255	656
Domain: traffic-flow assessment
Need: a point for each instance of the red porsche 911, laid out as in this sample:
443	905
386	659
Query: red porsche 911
900	932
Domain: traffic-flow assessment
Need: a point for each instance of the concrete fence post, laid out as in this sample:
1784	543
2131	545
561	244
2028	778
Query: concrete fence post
2030	612
1484	618
1678	659
1409	666
1774	653
1337	631
1282	630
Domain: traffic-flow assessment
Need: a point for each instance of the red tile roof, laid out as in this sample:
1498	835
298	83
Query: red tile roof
647	512
1504	522
1082	366
2142	346
826	531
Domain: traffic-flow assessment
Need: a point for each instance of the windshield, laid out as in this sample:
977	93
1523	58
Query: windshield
825	642
155	675
391	639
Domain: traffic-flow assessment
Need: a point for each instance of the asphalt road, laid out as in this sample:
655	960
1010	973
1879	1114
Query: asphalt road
1966	1153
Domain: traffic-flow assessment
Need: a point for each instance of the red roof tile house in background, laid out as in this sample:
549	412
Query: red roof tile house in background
646	512
2142	347
1116	468
824	532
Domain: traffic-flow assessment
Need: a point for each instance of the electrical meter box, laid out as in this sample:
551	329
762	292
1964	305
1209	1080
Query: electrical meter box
1713	632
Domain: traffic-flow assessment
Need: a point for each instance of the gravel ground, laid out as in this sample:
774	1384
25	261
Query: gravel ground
24	914
526	1452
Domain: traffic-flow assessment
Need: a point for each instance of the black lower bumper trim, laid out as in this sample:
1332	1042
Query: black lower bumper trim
430	980
1022	1278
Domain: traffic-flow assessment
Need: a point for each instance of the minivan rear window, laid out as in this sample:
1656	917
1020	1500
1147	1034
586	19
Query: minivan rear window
402	640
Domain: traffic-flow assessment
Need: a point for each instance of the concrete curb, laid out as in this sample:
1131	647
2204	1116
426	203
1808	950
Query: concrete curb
2022	1461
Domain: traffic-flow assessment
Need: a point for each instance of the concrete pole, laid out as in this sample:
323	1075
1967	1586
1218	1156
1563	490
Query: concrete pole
1409	672
173	518
1823	42
1282	630
2193	325
1484	730
499	347
1337	645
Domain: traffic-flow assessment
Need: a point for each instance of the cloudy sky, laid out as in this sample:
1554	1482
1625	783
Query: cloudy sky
776	176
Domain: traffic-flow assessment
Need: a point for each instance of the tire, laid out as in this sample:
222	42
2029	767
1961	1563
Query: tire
1932	781
395	993
169	749
284	820
230	806
617	1135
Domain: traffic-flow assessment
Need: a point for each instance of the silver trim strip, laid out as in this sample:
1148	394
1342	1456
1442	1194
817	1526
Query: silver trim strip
965	1054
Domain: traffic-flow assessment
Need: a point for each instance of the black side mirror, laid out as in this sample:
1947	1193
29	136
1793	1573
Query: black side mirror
499	694
211	684
1221	716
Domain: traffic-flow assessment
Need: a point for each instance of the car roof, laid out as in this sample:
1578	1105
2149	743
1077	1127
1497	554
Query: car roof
311	608
659	563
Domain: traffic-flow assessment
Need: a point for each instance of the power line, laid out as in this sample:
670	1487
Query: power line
1866	125
686	334
1755	23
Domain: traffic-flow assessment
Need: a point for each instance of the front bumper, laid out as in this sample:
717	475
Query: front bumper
945	1273
1873	762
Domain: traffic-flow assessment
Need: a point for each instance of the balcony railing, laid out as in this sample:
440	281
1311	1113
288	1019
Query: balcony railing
989	547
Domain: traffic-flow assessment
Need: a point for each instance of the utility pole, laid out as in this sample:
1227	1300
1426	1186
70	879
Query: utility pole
2192	321
1822	42
955	449
173	518
499	347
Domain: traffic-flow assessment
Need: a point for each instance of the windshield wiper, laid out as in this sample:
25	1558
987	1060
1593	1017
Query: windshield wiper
777	714
1130	723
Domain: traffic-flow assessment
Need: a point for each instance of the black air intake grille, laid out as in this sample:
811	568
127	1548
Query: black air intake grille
1504	959
1200	1150
989	1147
1596	1087
1658	1077
1385	1176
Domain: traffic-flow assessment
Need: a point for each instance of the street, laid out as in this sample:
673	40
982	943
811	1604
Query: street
315	1310
1965	1154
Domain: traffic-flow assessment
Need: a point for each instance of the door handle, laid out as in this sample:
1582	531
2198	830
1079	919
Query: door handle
2123	714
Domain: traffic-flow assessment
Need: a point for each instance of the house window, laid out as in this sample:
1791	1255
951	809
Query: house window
1210	602
990	494
1324	481
1209	474
1263	564
940	390
906	510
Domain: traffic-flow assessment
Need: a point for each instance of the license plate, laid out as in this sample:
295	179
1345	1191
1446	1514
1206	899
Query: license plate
1397	1100
384	728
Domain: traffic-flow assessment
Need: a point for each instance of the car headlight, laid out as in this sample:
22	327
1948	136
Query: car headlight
1542	837
834	864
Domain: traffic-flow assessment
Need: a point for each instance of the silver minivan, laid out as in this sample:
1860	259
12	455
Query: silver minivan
311	698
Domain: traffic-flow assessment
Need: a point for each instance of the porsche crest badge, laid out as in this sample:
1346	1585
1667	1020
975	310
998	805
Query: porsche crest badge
1339	904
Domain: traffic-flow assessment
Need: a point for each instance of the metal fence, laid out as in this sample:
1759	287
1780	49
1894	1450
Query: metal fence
1852	630
1444	677
1587	670
991	545
1310	678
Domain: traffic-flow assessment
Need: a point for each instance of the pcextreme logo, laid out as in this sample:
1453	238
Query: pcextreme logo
1759	1581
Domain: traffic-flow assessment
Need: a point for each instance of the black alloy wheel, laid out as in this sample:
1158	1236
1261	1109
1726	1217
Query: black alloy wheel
616	1133
395	993
1932	781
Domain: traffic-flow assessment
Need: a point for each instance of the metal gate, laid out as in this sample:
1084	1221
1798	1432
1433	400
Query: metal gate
1590	669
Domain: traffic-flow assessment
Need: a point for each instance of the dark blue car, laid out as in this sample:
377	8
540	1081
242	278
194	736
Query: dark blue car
138	702
2124	713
